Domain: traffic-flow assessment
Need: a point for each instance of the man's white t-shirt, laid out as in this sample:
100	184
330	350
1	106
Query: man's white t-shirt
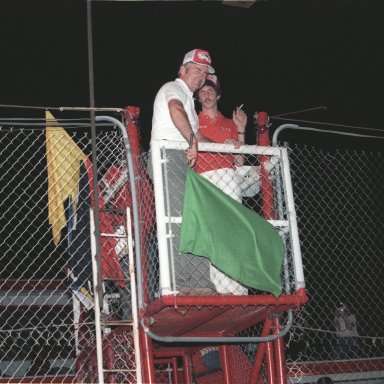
162	125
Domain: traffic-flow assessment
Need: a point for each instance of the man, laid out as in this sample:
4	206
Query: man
220	168
348	342
214	127
175	118
174	115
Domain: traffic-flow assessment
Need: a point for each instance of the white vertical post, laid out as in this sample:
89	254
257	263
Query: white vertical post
165	278
135	318
294	231
96	290
76	319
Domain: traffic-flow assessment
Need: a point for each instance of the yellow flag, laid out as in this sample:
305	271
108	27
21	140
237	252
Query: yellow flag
63	161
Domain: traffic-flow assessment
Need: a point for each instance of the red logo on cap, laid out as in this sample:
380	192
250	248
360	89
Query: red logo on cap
202	57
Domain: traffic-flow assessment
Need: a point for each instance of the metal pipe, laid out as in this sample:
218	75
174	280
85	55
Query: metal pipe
97	282
294	232
187	369
228	339
279	353
281	128
135	209
98	302
135	330
149	364
294	126
158	185
260	352
225	362
269	363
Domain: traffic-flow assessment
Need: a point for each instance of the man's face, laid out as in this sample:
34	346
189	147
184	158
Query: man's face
208	97
194	76
342	310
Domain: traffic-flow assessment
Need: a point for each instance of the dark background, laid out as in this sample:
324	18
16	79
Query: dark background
278	55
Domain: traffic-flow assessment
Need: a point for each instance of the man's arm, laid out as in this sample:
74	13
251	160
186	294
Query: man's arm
240	120
180	119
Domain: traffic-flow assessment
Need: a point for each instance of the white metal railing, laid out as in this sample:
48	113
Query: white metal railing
168	224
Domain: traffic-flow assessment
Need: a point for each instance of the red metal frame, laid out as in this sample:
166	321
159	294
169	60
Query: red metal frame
209	316
279	352
173	362
216	316
148	365
261	351
275	350
187	369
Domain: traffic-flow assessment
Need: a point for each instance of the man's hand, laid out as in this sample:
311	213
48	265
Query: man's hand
240	119
238	160
237	144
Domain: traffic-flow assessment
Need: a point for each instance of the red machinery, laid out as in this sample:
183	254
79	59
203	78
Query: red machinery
177	332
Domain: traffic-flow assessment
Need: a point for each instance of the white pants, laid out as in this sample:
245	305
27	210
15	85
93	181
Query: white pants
228	181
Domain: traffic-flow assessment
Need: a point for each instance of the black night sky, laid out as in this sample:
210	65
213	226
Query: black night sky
278	55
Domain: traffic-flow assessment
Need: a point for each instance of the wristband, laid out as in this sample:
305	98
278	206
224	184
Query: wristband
191	137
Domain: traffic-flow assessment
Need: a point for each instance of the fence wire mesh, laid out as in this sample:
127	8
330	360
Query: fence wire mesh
338	192
261	170
48	330
46	301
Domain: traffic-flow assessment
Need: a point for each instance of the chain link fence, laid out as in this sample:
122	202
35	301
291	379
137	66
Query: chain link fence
48	330
260	184
338	184
227	309
47	306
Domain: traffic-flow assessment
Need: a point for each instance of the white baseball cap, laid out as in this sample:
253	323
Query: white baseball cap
199	56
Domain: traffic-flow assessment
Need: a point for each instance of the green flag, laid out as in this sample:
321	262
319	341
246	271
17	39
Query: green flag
237	241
